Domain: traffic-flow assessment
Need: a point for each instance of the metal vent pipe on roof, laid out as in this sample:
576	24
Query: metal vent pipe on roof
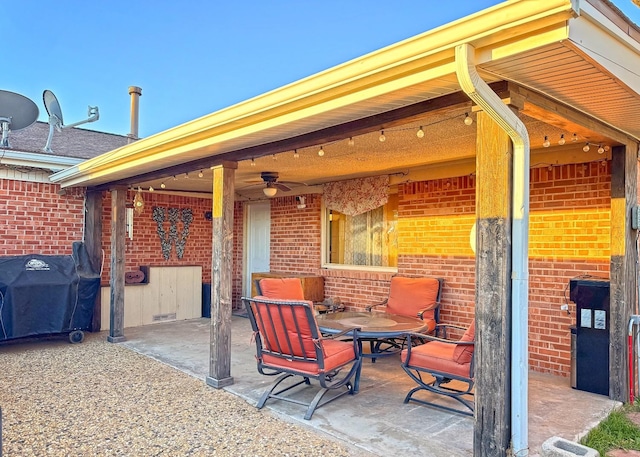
135	92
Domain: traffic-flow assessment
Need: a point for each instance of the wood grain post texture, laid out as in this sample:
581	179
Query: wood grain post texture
492	428
116	281
222	265
93	243
624	196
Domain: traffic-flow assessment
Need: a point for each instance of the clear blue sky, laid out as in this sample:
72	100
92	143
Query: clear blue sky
195	57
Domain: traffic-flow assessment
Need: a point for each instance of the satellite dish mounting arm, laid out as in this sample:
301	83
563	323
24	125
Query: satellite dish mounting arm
93	114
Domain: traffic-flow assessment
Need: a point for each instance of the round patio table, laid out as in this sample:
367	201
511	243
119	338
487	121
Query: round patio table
376	328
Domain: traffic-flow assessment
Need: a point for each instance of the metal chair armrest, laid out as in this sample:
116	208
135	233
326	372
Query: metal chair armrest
369	307
355	331
433	305
357	344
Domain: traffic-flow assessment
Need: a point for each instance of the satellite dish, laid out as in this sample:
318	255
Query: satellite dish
16	112
52	106
55	116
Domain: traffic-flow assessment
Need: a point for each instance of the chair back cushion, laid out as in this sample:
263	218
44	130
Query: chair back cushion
282	288
407	296
286	328
464	353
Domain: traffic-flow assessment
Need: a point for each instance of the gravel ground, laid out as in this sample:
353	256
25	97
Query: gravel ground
102	399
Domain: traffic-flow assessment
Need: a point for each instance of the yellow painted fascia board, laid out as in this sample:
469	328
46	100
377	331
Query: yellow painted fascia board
367	76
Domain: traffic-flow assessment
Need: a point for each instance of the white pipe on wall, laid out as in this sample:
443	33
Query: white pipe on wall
480	92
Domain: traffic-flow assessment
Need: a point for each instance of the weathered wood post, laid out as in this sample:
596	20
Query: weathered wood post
222	264
93	243
116	281
624	253
492	429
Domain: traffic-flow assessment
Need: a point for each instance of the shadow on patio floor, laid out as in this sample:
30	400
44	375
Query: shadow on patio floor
375	420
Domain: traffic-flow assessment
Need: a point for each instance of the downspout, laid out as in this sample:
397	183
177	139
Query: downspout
481	94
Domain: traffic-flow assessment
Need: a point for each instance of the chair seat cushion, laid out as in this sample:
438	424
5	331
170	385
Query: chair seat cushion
436	356
337	354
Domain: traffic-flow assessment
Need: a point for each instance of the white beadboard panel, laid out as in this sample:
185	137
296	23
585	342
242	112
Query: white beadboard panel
173	293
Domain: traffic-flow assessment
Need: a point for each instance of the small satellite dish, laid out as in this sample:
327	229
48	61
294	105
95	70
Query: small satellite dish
16	112
52	106
55	116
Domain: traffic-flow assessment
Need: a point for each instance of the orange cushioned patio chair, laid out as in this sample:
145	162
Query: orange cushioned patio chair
411	297
442	366
289	344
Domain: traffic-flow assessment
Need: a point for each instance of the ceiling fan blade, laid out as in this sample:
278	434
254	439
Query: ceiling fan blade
282	187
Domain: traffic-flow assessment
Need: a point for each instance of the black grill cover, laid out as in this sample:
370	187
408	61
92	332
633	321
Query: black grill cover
47	294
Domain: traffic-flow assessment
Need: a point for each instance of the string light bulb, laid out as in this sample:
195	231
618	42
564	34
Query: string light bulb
420	133
586	147
546	142
253	162
600	149
200	174
606	148
186	176
296	155
321	151
468	120
351	142
561	141
382	138
162	185
574	138
274	157
151	189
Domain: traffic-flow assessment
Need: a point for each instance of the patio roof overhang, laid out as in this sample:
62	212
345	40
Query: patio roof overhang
579	53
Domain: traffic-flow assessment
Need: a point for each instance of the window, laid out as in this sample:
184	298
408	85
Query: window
367	240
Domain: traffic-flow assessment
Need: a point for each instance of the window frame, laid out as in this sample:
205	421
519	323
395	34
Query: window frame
324	235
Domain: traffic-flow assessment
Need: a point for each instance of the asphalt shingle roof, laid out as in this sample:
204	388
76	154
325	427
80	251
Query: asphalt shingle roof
71	142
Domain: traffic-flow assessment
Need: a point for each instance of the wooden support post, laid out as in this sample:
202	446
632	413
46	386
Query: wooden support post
116	282
222	264
93	242
492	428
624	197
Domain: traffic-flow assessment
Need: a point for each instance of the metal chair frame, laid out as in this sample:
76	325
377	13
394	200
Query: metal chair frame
280	347
438	385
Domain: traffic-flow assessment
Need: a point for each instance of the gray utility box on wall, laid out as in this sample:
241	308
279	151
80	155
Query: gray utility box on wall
591	296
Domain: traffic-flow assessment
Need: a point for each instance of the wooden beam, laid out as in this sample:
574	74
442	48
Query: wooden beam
222	273
624	197
93	242
492	428
116	282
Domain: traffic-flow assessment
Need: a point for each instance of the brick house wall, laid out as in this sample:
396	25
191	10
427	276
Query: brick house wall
145	247
569	237
36	219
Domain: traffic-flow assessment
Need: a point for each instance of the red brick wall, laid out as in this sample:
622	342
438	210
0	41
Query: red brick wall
35	219
295	235
238	252
569	237
144	248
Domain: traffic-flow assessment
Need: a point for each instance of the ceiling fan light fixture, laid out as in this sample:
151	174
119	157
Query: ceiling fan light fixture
270	191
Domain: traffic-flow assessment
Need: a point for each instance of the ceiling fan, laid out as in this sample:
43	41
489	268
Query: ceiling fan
272	185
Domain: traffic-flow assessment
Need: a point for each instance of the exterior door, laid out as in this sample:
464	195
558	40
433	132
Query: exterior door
258	242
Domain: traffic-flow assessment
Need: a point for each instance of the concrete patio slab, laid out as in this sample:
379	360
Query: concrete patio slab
375	421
